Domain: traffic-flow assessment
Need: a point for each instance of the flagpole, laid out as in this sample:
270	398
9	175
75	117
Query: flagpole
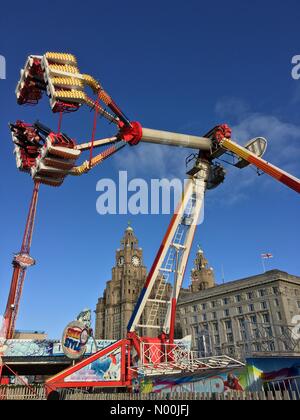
265	256
263	264
223	273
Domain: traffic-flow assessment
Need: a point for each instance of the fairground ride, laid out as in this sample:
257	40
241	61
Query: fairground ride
49	156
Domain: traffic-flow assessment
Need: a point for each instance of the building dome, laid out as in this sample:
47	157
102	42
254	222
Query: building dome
129	228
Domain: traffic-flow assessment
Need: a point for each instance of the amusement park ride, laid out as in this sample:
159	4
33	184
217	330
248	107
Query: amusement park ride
50	156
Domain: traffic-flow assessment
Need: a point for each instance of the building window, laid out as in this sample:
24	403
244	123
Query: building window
271	346
253	319
275	290
204	328
256	334
240	310
257	347
244	335
276	302
262	292
216	327
228	325
218	351
269	332
264	305
194	319
238	298
266	318
217	340
204	317
251	307
213	304
225	301
279	317
226	312
230	338
242	323
195	308
250	295
231	351
214	315
298	304
204	306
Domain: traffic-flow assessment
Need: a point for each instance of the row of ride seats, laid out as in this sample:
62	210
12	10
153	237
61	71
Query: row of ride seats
56	74
56	159
46	155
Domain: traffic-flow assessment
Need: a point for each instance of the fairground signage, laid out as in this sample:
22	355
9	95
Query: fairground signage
74	340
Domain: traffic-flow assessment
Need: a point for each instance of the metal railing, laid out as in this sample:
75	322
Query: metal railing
170	358
275	391
288	385
22	392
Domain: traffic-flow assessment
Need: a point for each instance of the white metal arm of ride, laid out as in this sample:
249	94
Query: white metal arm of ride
199	187
175	139
173	253
158	137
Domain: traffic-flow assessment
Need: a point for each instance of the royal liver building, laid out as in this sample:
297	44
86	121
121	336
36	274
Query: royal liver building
129	274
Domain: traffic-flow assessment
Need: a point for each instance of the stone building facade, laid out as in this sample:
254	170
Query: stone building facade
116	306
242	317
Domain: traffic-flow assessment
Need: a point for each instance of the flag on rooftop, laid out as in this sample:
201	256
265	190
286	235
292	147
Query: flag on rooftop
267	255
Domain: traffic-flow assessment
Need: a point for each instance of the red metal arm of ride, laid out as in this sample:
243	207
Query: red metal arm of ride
21	262
272	170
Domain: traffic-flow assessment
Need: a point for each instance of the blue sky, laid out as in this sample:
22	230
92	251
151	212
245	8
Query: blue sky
180	66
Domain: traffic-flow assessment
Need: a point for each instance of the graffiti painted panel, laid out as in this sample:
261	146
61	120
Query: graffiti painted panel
107	368
276	370
217	382
45	348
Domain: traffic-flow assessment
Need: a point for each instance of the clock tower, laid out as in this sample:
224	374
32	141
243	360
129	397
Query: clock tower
202	276
129	274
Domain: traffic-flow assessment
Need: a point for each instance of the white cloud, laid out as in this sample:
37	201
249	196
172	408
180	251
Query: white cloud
231	108
154	161
296	95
